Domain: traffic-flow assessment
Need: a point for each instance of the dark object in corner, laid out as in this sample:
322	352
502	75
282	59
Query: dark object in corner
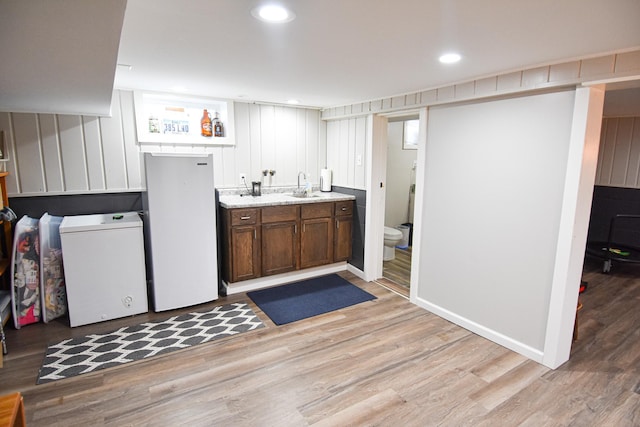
76	204
616	248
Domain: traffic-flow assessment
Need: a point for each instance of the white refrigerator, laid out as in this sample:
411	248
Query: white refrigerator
180	230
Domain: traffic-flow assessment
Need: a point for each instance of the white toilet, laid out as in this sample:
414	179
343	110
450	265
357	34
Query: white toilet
392	237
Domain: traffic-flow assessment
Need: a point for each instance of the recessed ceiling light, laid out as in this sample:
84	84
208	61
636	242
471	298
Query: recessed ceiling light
293	102
450	58
273	13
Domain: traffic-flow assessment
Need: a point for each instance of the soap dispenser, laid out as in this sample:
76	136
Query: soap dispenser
308	188
255	188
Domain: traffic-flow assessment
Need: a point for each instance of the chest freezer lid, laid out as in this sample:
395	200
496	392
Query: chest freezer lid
78	223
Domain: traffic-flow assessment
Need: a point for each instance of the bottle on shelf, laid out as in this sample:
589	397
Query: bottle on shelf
154	124
206	128
218	127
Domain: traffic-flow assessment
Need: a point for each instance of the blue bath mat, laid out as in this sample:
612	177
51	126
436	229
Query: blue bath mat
308	298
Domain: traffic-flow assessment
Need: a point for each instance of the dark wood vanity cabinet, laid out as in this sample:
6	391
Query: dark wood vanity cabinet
241	238
276	239
343	230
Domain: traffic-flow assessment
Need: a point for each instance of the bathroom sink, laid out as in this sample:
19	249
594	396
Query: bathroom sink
302	195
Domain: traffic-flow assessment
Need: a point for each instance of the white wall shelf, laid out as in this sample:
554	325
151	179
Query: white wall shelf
173	119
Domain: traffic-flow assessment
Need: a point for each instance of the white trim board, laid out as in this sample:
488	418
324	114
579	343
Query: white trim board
281	279
574	223
498	338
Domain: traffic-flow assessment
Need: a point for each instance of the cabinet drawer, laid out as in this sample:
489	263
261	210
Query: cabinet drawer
279	213
344	208
316	210
244	217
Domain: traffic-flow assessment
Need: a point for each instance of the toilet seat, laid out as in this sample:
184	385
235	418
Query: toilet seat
392	236
392	233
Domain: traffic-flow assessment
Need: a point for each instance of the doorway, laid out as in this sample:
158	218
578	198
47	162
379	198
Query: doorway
616	194
402	144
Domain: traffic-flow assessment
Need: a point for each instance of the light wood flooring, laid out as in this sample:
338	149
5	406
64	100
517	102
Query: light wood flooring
398	270
381	363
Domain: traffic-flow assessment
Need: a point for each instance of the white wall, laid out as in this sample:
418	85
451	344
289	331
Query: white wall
619	156
285	139
622	103
66	154
400	164
347	152
492	198
57	154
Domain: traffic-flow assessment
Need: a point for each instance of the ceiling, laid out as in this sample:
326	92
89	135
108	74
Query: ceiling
335	52
59	56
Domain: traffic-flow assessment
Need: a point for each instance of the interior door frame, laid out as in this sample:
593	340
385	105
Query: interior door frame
377	134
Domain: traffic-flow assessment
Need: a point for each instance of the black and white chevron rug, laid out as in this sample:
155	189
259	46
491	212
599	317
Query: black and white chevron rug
77	356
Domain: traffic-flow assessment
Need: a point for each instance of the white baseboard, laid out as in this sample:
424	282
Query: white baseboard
503	340
356	271
281	279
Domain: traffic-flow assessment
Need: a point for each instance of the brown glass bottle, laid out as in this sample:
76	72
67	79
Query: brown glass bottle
206	124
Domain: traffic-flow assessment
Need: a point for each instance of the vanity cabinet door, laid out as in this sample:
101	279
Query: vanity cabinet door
245	256
316	242
279	247
342	242
316	234
343	231
240	244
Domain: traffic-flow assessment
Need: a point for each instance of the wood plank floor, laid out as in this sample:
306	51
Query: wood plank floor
398	269
381	363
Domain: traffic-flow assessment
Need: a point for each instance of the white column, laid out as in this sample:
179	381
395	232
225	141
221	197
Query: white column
574	223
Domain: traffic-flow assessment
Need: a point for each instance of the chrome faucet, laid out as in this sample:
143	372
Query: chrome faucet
305	178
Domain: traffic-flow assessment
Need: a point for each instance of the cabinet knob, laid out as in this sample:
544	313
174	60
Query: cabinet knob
245	217
344	208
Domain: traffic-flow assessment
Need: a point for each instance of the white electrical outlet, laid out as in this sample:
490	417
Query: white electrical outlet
243	178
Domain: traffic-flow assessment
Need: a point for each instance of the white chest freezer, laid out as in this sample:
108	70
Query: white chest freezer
104	265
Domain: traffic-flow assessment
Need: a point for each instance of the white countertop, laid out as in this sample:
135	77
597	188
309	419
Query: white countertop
274	199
